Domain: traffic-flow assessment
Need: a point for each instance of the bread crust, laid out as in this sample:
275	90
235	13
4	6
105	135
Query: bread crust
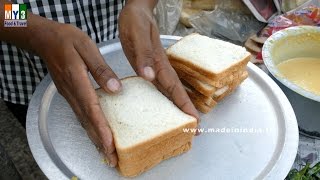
203	107
200	101
132	172
210	75
210	102
147	155
196	75
136	163
232	87
196	84
173	142
204	72
189	89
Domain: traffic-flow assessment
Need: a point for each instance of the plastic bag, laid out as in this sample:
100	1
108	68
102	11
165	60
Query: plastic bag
227	25
167	14
305	16
288	5
182	30
263	10
233	5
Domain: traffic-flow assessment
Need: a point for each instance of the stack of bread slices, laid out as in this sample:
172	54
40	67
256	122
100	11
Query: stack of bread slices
146	126
210	69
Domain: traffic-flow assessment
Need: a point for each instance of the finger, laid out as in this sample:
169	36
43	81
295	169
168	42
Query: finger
161	89
100	71
169	84
168	79
112	159
139	52
87	101
94	137
176	92
85	122
94	114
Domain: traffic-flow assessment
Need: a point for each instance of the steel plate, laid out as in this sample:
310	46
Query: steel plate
62	149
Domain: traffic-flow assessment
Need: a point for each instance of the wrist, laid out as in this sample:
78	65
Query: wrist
41	34
25	37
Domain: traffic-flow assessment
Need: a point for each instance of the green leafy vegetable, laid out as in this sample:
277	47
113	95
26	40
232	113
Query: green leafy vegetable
306	173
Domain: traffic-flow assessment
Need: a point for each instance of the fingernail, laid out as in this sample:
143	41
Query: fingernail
109	163
112	164
113	85
149	73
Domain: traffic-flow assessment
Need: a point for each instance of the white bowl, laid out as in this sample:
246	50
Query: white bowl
299	41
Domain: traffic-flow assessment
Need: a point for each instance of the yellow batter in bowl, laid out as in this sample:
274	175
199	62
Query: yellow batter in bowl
303	71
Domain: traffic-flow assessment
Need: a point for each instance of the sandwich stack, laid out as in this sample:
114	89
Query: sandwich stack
147	127
210	69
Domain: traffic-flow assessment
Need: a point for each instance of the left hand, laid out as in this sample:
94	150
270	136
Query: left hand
141	43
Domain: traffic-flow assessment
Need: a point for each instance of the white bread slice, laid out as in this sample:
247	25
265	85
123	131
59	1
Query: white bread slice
199	100
260	40
202	87
218	98
253	46
203	105
204	108
232	87
218	83
207	89
209	102
212	58
142	118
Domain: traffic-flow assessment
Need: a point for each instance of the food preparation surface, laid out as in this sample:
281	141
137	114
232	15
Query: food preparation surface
266	149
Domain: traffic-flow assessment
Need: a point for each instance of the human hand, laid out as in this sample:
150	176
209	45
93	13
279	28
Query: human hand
141	43
69	54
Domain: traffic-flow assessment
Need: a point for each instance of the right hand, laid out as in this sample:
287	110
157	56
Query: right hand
69	54
140	40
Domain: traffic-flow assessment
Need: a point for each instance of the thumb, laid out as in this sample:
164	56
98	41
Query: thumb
144	60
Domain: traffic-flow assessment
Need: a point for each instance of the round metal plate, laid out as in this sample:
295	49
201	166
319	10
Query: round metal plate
62	149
